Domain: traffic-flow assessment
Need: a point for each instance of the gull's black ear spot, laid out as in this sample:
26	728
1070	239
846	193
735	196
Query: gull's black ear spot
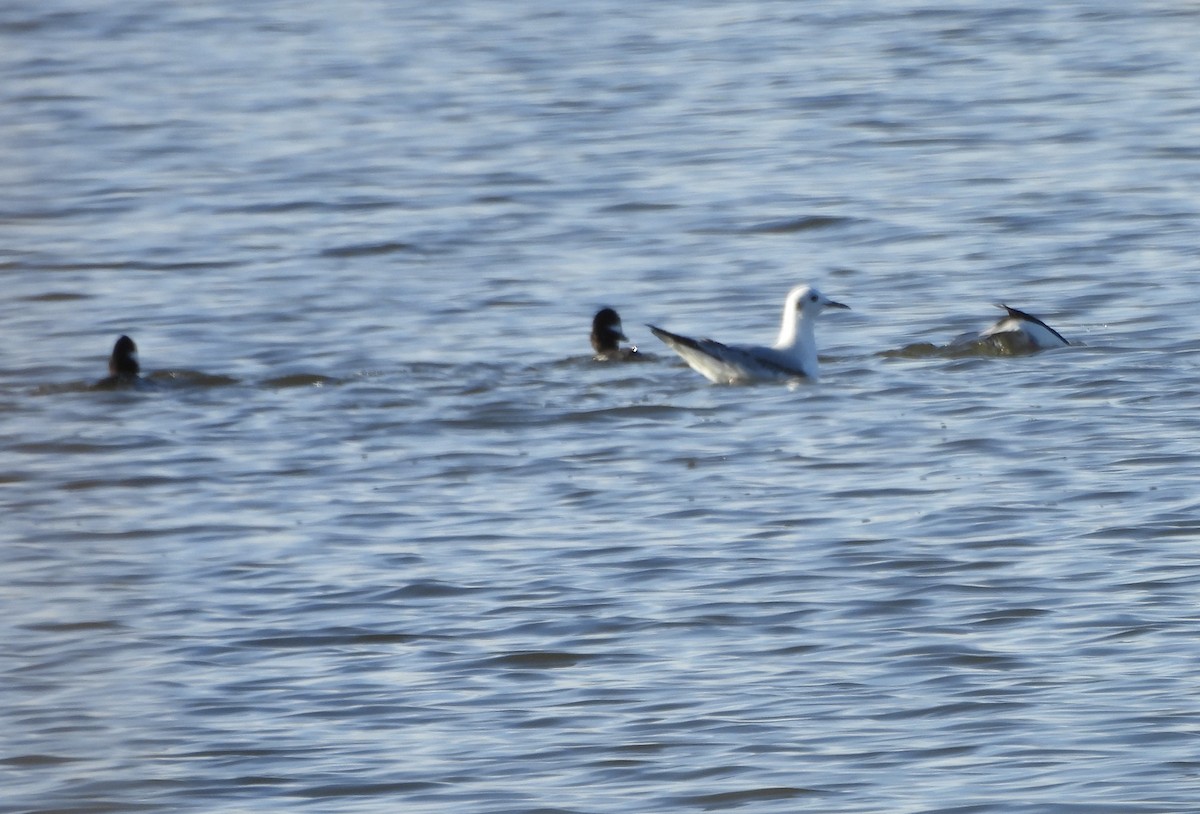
812	297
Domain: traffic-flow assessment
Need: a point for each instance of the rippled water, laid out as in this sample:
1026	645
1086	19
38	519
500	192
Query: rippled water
378	535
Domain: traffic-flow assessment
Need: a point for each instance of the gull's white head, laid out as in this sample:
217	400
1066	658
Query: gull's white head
804	300
800	310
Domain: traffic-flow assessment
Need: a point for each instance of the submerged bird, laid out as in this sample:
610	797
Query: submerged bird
794	354
123	367
1018	332
607	336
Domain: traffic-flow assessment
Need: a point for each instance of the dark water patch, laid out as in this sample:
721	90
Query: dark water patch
780	227
966	710
31	214
1016	224
981	444
71	447
1186	153
886	492
132	265
348	637
277	207
973	141
511	179
537	660
601	551
1149	531
1010	616
698	461
35	761
720	801
250	749
285	207
429	589
369	249
496	415
43	98
198	533
184	265
57	296
961	658
1102	496
483	466
838	466
636	207
798	522
884	608
73	627
46	20
987	181
336	790
259	780
834	101
656	412
141	482
1158	461
513	301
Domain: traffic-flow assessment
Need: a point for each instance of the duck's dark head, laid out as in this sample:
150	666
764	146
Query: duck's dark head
606	331
123	364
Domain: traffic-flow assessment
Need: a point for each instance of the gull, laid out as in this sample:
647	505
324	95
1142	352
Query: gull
1019	332
607	336
794	354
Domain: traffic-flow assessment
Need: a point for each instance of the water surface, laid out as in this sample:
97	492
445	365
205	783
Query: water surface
377	534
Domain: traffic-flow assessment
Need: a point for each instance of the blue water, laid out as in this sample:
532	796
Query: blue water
377	534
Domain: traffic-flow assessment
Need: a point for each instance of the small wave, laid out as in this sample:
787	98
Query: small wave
382	790
803	224
131	265
655	411
368	249
335	638
538	660
731	799
57	296
636	206
427	589
309	205
28	761
782	226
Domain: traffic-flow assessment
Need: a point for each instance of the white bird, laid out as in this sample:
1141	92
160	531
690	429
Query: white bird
794	354
1019	332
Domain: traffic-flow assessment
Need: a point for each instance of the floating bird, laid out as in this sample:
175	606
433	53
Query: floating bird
123	363
794	354
1018	332
123	367
607	336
